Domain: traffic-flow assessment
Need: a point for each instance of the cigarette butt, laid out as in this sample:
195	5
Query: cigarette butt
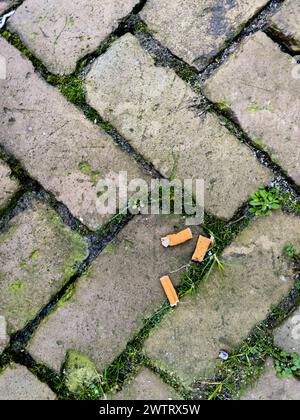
169	290
201	249
177	238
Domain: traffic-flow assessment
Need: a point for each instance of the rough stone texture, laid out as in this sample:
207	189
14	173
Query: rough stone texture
286	24
197	30
121	288
6	4
271	388
146	386
287	336
38	254
4	338
17	383
153	109
8	186
53	140
59	32
230	303
256	83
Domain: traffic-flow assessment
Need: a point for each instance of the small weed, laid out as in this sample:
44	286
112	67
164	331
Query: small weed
290	251
263	201
287	365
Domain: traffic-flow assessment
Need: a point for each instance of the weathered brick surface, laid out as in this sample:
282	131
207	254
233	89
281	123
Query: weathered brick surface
153	109
5	5
53	140
17	383
146	386
285	24
230	303
38	254
121	288
270	388
8	186
59	32
197	30
256	84
287	336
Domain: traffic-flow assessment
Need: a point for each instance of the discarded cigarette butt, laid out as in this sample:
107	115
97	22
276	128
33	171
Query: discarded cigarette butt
177	238
201	249
169	290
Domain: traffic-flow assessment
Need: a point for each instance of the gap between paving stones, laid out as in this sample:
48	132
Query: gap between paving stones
273	2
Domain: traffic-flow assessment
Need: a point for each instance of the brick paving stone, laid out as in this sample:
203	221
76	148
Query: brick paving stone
59	33
146	386
17	383
55	143
257	86
271	388
228	304
287	336
285	24
8	186
121	288
153	109
38	255
6	4
197	30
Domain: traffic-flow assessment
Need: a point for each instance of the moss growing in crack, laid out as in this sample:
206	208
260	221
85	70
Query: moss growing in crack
223	105
72	87
79	372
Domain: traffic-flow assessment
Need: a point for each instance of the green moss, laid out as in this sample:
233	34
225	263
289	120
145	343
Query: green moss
34	255
253	107
78	253
79	371
86	169
223	105
109	248
259	143
17	287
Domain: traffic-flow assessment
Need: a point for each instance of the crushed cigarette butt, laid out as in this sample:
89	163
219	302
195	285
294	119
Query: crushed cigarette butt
169	290
177	238
201	249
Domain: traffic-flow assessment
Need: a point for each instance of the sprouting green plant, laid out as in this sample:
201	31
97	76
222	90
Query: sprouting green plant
287	365
290	251
263	201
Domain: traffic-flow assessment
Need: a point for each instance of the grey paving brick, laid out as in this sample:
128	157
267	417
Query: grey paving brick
146	386
38	255
59	33
6	4
257	86
287	336
285	25
197	30
8	186
17	383
271	388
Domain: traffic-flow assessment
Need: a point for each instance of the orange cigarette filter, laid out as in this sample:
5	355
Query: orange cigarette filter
169	290
177	238
201	249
